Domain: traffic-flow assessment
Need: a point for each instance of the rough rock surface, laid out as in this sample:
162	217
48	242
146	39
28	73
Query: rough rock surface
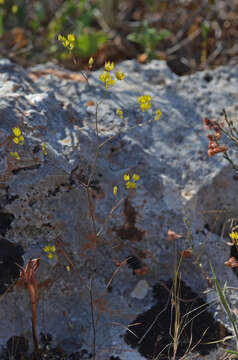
43	198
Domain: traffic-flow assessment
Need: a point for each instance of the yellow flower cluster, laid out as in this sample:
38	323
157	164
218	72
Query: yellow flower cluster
15	155
145	102
50	250
18	138
107	78
43	147
120	113
131	184
234	237
68	42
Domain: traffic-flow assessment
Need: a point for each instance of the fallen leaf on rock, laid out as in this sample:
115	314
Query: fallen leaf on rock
232	262
34	75
172	235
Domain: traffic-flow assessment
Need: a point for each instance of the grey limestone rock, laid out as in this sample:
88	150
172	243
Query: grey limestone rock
43	199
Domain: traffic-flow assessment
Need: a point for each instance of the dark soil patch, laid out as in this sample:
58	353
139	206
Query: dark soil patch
154	328
10	255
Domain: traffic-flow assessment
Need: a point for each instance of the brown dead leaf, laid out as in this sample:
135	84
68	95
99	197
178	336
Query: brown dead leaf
90	103
142	58
186	253
34	75
16	37
232	262
172	235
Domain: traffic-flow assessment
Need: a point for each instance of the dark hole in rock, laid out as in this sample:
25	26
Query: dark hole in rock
10	255
208	77
154	328
17	347
5	222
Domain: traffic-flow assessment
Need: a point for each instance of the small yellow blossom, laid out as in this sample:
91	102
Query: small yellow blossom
50	250
107	80
16	131
46	248
43	147
15	155
234	236
144	99
158	114
120	113
126	177
90	63
130	185
109	66
115	190
67	42
14	9
144	102
145	107
120	75
19	140
136	177
71	37
2	2
104	76
67	268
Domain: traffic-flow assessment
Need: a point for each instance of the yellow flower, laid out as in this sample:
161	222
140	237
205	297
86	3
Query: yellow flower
234	236
52	248
2	2
43	147
16	131
158	114
120	75
126	177
50	256
120	113
90	63
15	155
109	66
61	38
145	106
144	102
14	9
104	76
46	248
136	177
21	140
144	99
67	42
107	79
71	37
130	185
67	268
115	189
